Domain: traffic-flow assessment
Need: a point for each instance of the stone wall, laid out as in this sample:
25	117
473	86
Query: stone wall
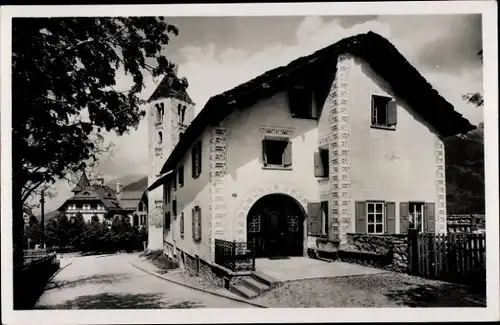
215	275
395	245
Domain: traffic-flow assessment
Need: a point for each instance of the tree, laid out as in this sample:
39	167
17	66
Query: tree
477	97
465	166
76	230
63	93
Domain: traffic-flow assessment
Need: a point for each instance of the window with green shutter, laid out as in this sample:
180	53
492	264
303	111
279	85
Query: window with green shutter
181	176
196	223
277	152
321	163
384	112
324	218
430	217
314	218
196	160
181	224
404	217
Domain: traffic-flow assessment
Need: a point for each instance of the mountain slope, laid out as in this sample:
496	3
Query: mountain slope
140	185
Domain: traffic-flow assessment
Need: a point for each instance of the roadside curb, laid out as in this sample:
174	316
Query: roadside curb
198	289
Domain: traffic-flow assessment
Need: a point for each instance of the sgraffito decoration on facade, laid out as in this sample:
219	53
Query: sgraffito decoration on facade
240	225
216	173
339	153
440	188
271	130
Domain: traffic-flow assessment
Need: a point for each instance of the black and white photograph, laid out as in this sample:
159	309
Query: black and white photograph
295	159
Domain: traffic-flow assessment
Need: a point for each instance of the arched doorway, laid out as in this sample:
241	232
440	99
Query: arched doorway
275	222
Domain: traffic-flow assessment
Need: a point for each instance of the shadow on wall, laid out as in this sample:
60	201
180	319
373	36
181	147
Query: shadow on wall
122	301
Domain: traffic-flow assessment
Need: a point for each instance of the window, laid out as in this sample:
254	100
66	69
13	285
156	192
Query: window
196	222
167	193
160	110
196	159
160	137
375	217
181	113
167	220
384	112
321	163
174	207
416	216
277	152
300	100
174	180
181	224
181	176
324	215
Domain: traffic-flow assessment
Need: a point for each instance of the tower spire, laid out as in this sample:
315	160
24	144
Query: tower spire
82	183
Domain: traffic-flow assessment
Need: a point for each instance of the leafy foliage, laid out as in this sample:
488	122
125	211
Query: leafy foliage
95	236
465	188
465	172
64	73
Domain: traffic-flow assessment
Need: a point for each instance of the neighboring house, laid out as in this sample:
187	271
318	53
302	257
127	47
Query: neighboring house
99	200
27	214
345	140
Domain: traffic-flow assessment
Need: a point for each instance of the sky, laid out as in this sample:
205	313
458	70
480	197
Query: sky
216	54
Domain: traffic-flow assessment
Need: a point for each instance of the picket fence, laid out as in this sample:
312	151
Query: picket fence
456	257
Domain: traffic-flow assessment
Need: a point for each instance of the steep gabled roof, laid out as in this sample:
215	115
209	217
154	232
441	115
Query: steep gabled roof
166	89
82	183
378	52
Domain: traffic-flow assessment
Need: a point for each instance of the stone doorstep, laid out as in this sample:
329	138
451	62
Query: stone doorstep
254	285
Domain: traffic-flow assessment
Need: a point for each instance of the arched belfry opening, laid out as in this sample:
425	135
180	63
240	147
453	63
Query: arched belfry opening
276	224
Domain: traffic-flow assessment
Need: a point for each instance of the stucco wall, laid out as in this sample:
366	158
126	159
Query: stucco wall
393	165
246	181
193	193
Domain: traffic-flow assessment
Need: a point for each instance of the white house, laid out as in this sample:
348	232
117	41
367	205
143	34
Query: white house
345	140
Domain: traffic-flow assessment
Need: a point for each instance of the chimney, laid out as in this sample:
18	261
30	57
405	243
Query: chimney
118	188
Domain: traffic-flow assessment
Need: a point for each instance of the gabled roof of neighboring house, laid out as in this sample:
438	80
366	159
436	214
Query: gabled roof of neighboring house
130	200
383	58
85	191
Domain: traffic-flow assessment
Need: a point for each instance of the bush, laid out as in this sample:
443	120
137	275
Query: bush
96	236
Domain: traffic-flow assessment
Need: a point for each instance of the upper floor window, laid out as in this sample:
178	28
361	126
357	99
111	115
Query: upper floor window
160	111
167	193
196	159
160	137
277	152
321	163
181	113
384	112
181	176
300	100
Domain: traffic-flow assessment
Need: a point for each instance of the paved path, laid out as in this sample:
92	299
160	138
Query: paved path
299	268
111	282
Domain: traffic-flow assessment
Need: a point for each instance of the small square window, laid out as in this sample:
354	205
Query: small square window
384	112
277	152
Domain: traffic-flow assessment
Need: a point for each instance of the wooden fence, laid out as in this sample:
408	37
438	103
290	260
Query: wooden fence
456	257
